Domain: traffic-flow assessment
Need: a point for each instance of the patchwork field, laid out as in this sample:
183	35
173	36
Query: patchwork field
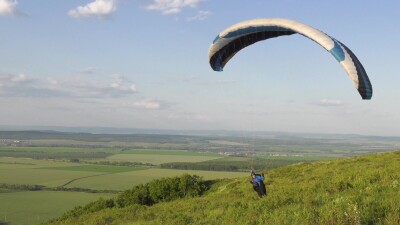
65	168
97	177
33	207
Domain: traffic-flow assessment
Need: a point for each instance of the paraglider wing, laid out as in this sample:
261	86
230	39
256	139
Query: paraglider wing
246	33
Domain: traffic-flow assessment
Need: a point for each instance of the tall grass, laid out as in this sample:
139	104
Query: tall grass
359	190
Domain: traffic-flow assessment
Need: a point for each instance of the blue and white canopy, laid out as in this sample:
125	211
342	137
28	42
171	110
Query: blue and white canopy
241	35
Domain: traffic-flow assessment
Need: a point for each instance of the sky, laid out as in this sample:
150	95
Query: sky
144	64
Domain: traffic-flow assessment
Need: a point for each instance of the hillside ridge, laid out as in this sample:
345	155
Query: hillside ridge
357	190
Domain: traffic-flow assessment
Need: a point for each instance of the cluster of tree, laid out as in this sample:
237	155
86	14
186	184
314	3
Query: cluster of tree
116	163
53	155
22	187
209	166
16	163
227	165
34	187
76	189
159	190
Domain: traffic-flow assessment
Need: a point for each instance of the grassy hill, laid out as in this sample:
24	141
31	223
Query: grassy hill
358	190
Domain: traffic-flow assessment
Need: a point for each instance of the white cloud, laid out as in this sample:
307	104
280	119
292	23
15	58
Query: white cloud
87	70
172	6
201	15
147	104
98	8
119	83
329	102
18	78
8	7
14	84
20	85
12	79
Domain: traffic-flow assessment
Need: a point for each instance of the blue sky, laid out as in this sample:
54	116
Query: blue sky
143	64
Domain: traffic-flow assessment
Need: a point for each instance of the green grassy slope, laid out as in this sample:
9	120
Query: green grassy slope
358	190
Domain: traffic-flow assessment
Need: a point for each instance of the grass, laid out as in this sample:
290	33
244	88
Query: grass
25	171
53	173
32	207
153	156
358	190
51	149
50	178
158	159
96	168
122	181
297	158
6	162
37	206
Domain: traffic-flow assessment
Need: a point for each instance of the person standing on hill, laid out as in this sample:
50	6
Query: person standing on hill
257	180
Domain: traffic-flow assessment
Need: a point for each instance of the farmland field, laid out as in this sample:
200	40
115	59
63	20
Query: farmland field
158	159
25	171
121	181
170	152
68	167
96	168
52	173
32	207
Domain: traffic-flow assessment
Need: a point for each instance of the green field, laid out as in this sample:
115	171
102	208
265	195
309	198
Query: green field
96	168
7	162
121	181
54	149
296	158
360	190
96	177
13	173
169	152
33	207
158	159
85	163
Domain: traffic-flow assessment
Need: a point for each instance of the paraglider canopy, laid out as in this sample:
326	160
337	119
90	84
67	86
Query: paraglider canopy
239	36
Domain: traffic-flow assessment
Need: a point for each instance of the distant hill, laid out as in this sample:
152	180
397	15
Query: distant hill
357	190
266	143
219	133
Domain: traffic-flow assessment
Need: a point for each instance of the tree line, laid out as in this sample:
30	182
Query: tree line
113	163
35	187
227	165
22	187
